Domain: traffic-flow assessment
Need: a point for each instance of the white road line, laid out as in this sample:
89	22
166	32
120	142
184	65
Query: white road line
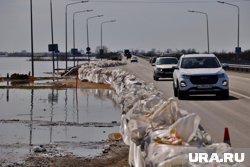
239	94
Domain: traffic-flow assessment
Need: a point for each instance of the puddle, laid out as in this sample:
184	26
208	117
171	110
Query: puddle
74	120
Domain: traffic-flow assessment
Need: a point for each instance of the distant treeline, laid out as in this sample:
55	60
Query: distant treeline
243	58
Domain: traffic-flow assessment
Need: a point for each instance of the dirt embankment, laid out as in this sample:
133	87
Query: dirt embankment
115	155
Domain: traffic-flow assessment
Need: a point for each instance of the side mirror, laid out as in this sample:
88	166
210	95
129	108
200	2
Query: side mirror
225	66
175	67
153	64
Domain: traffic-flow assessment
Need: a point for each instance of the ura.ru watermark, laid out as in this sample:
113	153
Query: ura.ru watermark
215	158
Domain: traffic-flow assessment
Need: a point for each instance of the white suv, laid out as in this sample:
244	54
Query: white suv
164	67
200	74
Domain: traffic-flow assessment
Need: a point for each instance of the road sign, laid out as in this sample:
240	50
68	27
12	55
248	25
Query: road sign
88	49
74	51
237	50
101	51
53	47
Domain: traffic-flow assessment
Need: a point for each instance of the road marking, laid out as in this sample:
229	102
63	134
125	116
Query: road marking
239	94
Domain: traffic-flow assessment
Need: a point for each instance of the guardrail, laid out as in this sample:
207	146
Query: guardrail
239	67
232	67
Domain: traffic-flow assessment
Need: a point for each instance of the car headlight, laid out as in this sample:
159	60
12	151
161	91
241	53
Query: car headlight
183	84
159	69
222	75
225	83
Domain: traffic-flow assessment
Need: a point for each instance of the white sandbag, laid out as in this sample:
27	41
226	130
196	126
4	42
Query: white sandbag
165	115
135	156
124	130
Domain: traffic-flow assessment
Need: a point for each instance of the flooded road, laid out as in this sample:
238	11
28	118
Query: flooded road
71	120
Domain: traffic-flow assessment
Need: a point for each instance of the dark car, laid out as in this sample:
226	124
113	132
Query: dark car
127	53
152	60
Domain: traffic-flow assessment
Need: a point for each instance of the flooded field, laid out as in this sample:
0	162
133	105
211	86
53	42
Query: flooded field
68	120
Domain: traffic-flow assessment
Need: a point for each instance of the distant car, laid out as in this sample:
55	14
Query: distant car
200	74
164	67
152	60
134	59
127	53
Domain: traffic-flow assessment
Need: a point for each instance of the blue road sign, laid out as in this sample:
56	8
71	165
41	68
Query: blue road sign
237	50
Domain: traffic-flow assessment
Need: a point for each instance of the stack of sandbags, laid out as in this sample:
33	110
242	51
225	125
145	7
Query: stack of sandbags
158	132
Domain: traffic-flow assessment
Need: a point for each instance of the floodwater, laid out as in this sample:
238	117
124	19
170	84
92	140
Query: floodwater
22	65
72	120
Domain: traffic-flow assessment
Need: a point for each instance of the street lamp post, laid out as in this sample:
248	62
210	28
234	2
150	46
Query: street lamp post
74	14
238	50
66	30
88	48
193	11
52	36
32	44
109	21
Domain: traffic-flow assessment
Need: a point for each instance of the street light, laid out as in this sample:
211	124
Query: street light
66	30
193	11
32	48
88	48
52	35
238	33
74	48
109	21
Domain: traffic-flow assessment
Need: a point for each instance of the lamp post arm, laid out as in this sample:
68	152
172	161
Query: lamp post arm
66	30
109	21
238	31
194	11
88	26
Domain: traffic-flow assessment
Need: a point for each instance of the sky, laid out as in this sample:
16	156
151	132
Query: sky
140	24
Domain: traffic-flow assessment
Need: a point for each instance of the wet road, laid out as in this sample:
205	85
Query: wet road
215	114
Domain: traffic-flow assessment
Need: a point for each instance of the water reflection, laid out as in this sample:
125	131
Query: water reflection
79	105
7	95
31	116
45	116
66	111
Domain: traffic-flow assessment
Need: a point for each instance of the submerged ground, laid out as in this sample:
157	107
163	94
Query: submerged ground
71	138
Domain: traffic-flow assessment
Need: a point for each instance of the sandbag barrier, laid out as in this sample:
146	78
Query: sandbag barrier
157	131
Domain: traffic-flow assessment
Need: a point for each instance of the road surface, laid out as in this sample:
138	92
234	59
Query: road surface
215	114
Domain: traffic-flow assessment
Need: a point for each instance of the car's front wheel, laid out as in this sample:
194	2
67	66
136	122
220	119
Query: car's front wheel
224	94
175	90
181	94
156	78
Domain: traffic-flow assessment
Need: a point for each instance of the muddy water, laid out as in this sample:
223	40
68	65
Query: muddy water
71	120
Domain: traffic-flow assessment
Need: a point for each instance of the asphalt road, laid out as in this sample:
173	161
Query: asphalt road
215	114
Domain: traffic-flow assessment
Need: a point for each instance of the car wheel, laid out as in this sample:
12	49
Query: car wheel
175	90
224	94
181	94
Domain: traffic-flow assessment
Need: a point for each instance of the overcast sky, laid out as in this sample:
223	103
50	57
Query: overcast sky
162	24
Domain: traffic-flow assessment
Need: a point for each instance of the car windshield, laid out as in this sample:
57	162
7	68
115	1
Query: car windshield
167	60
199	62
